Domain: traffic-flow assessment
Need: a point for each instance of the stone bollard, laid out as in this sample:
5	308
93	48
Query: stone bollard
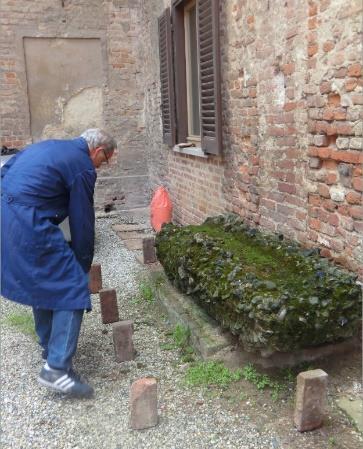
143	403
148	249
109	309
122	340
95	278
310	399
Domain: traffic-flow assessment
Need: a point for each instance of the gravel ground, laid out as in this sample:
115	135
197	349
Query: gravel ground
35	418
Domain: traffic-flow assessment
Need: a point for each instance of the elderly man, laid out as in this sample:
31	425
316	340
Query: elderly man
41	186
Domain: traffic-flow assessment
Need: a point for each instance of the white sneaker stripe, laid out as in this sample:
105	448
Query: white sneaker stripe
65	383
61	379
69	386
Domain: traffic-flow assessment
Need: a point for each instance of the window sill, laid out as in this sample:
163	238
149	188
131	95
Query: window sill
192	151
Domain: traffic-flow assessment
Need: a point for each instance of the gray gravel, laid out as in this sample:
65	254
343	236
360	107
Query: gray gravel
35	418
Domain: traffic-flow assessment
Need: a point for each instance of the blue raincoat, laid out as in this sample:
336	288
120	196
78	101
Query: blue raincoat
41	186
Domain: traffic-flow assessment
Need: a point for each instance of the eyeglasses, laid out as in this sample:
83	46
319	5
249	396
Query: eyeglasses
104	152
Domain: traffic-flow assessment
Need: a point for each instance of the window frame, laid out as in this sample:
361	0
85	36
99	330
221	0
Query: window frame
209	68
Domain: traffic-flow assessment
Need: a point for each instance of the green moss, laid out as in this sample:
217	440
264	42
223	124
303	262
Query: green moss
272	293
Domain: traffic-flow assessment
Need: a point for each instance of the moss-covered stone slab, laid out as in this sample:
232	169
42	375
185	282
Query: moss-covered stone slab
211	343
354	409
270	292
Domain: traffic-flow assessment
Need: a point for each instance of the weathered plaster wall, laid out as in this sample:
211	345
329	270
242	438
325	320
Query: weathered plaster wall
64	85
86	86
291	91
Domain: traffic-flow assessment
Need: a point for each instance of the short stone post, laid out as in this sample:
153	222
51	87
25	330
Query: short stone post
311	394
143	403
109	309
148	249
122	340
95	278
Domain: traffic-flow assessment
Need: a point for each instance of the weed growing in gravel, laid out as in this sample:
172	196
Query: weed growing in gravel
181	340
23	322
211	373
262	381
146	292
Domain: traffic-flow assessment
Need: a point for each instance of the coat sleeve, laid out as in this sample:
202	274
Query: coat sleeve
6	167
82	217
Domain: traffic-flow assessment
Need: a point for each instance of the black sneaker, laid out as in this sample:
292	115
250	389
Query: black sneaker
69	383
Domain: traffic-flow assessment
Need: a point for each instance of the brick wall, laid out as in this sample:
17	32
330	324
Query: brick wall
292	156
117	24
291	94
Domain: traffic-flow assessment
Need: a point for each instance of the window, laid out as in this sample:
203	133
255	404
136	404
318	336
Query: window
190	74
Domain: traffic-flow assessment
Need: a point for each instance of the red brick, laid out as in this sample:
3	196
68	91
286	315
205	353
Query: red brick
354	198
331	178
334	99
352	157
325	87
312	23
328	45
321	127
331	130
323	191
268	204
351	85
356	212
336	245
325	253
143	404
357	99
315	200
312	50
358	227
340	114
95	278
329	205
252	92
109	309
313	9
357	184
288	69
148	248
324	152
314	224
355	70
343	210
122	333
344	129
285	187
328	114
329	164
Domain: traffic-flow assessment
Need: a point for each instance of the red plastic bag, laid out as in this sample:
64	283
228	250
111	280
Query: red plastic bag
160	208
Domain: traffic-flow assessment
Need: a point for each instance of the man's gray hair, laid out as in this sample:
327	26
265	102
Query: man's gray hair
96	137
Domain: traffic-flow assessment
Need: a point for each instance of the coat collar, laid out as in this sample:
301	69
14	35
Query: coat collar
82	143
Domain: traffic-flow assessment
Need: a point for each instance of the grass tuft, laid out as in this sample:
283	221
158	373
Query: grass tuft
23	322
146	292
211	373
